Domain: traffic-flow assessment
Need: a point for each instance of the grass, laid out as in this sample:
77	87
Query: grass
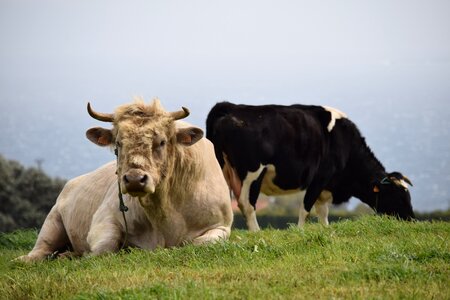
369	258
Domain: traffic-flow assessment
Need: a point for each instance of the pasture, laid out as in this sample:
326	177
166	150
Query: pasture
371	257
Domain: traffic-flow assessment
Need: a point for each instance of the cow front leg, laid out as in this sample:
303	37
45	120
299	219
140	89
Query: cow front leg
322	205
310	198
51	238
251	186
105	236
302	213
213	235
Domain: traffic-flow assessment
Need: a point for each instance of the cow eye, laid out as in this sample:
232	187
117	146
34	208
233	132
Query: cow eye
162	143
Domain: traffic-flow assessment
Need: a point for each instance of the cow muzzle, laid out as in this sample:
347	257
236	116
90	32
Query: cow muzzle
137	183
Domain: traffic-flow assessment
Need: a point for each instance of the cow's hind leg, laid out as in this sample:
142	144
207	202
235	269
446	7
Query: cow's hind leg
51	238
250	192
212	236
249	213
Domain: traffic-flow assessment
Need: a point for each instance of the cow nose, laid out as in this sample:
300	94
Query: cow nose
135	182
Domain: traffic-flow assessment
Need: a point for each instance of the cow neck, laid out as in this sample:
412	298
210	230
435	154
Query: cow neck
366	170
155	204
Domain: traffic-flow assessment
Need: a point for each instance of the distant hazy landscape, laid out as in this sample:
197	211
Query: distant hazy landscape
413	139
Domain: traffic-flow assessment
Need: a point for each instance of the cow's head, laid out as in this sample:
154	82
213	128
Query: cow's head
145	138
392	196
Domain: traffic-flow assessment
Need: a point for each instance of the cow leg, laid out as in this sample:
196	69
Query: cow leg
321	206
311	197
51	238
213	236
248	210
105	235
302	214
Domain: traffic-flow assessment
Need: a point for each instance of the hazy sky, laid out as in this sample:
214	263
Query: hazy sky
385	63
186	50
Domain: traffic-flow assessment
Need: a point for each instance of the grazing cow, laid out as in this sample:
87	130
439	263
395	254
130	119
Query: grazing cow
170	178
313	151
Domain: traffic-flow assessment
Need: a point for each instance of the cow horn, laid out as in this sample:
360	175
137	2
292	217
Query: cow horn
181	114
99	116
408	181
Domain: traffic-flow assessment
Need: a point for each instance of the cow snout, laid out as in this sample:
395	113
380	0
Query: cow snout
137	183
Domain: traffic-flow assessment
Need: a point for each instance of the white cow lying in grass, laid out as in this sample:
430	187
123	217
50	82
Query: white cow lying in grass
171	181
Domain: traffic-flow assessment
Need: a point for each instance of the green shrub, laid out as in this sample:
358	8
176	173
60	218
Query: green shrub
26	195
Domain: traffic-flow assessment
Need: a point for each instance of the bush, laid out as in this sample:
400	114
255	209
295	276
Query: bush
26	195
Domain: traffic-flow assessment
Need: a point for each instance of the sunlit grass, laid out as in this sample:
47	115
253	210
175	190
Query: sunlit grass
372	257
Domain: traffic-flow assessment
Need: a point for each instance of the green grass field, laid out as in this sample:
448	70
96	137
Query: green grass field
369	258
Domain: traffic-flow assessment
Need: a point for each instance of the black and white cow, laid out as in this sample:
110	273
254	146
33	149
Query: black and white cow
313	151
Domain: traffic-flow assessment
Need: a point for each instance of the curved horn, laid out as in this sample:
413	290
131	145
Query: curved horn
406	179
99	116
181	114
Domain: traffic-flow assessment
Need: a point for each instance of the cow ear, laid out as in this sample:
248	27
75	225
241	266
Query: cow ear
189	136
100	136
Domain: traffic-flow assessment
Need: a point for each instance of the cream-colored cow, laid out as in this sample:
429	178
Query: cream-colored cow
170	178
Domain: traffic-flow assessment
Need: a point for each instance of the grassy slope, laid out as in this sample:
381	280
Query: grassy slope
372	257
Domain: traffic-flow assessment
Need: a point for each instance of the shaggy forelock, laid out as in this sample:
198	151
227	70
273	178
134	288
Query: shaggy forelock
137	118
139	109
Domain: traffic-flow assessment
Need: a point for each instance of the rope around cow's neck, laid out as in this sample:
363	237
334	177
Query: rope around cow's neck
122	207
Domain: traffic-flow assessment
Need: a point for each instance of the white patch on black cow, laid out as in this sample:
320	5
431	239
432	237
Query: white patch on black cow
335	114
